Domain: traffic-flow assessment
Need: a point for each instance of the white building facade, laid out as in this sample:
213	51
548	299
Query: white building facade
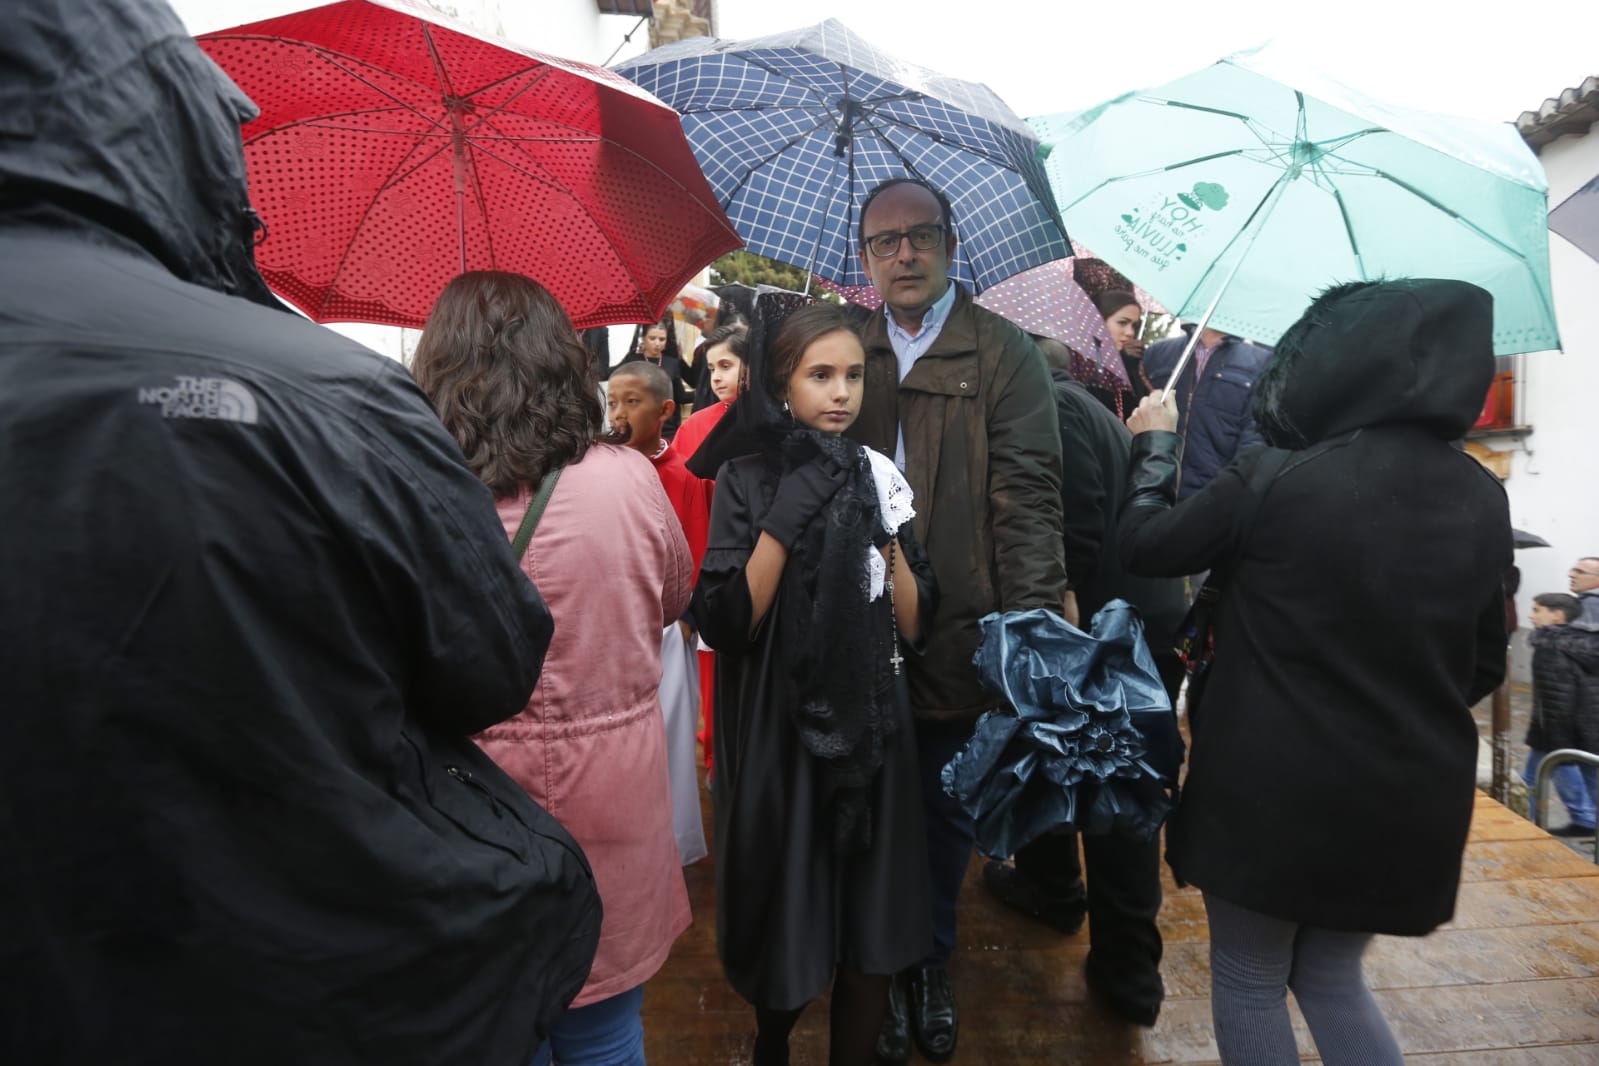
1547	451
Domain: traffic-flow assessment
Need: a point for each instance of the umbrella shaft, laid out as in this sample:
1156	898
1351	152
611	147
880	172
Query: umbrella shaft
1257	223
1193	338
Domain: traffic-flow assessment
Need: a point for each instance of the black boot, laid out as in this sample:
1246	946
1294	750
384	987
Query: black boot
1134	993
1021	893
894	1039
935	1020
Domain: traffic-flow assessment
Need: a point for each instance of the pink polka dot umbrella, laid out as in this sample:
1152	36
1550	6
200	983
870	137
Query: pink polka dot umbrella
1050	301
1046	301
1107	277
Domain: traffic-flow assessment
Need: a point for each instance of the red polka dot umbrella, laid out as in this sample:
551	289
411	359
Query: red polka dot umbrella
396	148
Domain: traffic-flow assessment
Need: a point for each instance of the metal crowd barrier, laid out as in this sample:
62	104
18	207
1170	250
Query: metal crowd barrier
1545	782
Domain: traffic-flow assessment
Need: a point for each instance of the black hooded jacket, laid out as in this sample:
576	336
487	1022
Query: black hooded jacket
1565	689
1333	769
254	604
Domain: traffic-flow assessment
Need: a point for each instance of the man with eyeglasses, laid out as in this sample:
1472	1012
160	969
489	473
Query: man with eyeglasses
1585	586
962	399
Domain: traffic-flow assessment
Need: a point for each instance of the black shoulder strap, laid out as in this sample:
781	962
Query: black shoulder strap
1258	484
1260	479
535	511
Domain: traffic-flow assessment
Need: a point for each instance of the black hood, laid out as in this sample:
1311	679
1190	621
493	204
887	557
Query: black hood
1572	639
1416	352
114	122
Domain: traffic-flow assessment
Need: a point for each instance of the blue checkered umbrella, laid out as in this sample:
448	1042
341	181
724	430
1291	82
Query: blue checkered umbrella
793	130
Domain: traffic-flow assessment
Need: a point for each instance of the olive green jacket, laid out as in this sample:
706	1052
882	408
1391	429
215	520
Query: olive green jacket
982	454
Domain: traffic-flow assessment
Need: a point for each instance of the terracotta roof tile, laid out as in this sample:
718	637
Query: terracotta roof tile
1573	111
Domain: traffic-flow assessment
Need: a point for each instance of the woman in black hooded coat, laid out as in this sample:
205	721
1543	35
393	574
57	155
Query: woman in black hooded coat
1333	765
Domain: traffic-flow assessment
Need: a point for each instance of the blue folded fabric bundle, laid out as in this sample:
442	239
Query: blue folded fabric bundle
1088	742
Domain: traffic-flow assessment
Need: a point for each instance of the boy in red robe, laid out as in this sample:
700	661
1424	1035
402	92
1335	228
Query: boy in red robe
639	396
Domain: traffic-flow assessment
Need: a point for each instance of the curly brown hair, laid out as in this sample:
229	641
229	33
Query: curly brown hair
509	378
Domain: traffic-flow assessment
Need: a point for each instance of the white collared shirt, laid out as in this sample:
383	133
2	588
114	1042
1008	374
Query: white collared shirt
909	347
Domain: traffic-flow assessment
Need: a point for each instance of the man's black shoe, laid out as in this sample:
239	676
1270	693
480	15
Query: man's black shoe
1021	893
894	1038
1572	831
1138	1012
934	1019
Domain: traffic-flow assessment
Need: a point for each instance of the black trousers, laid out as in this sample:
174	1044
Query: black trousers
1123	896
950	830
1123	893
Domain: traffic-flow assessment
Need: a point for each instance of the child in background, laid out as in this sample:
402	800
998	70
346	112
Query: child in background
1565	706
640	397
722	354
639	402
657	345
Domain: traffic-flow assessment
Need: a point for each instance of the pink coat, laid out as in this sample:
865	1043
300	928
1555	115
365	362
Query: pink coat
610	560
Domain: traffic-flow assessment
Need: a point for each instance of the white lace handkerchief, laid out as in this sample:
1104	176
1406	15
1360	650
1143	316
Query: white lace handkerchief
895	501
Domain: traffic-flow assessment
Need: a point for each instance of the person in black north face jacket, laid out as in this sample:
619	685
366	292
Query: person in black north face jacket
254	604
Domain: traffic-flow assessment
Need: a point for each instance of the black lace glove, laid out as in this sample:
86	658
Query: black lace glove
801	495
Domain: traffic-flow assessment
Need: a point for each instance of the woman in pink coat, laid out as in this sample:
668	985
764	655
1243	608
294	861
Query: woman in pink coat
510	380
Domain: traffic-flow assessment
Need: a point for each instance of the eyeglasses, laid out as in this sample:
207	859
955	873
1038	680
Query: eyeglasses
922	238
1580	570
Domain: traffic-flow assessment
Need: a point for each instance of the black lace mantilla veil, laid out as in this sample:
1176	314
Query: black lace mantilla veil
841	686
756	421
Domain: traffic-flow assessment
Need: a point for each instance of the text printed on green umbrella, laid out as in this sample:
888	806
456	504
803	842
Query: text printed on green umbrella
1160	232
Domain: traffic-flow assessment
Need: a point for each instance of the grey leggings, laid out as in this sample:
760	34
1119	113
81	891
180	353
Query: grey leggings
1255	960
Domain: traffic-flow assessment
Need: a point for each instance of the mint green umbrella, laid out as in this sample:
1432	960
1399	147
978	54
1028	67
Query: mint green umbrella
1239	192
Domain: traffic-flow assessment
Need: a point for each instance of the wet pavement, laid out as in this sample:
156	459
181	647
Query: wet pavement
1513	980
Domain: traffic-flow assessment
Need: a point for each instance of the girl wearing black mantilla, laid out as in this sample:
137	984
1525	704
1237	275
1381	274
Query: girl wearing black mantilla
812	591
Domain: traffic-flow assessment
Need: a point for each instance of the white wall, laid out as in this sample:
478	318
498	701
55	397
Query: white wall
1554	472
573	29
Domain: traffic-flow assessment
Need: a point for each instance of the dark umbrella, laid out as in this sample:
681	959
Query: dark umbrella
794	129
1090	742
1577	218
1522	539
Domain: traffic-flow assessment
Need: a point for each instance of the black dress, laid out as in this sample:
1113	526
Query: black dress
789	908
1121	402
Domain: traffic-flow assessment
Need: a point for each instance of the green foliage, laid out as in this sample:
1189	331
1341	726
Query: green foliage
1159	327
747	268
